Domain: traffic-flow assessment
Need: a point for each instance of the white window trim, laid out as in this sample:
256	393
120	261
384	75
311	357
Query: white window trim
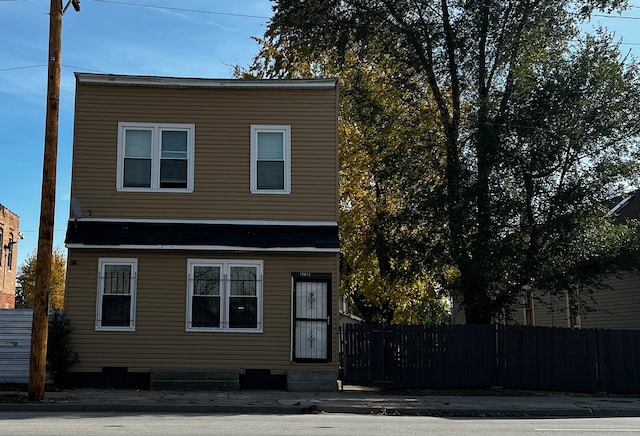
133	262
225	265
286	131
155	155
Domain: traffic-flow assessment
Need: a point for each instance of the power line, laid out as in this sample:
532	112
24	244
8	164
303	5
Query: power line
609	16
168	8
21	68
84	69
44	65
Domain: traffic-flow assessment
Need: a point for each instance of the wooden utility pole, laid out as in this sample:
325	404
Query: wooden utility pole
38	359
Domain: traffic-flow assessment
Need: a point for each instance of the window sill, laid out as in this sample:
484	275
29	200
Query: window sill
219	330
264	191
185	191
115	329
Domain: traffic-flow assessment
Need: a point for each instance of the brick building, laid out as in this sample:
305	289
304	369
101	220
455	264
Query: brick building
9	236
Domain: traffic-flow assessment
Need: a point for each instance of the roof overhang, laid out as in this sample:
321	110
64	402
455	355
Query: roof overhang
186	82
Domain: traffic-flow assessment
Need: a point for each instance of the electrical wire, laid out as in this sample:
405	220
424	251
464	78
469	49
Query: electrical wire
169	8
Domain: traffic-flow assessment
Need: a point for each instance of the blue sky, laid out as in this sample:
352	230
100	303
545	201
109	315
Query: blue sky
188	38
104	37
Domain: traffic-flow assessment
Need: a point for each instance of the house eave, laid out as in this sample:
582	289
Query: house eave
210	222
193	82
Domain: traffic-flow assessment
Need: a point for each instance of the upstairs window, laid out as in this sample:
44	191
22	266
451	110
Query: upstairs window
224	295
155	157
270	159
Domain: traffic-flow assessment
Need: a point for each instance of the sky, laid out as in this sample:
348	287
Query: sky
188	38
116	37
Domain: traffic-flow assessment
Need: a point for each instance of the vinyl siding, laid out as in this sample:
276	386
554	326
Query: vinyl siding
222	119
614	308
160	340
617	307
550	311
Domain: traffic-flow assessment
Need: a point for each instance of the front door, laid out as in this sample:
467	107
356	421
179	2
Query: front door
311	317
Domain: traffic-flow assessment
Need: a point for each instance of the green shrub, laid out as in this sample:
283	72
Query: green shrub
60	353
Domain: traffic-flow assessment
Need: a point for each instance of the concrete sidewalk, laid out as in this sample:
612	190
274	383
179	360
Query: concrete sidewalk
348	401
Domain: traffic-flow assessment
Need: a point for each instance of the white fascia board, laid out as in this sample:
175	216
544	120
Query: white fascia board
213	222
186	82
620	205
207	248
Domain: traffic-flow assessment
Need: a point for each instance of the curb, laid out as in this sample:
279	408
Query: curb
304	407
154	408
297	410
454	412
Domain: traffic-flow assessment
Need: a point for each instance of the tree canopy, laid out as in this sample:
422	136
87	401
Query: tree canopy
26	281
481	140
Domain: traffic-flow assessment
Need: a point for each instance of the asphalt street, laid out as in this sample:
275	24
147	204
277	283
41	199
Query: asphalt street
320	424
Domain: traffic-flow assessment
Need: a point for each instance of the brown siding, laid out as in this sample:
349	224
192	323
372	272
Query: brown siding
160	340
222	119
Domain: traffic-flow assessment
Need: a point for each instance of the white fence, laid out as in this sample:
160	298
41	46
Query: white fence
15	345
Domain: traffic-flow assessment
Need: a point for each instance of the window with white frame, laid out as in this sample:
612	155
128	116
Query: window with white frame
116	305
270	159
153	157
224	295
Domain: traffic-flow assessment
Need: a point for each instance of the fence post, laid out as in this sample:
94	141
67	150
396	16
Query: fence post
341	356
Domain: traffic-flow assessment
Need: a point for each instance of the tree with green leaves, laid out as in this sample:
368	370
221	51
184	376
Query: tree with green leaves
26	281
533	128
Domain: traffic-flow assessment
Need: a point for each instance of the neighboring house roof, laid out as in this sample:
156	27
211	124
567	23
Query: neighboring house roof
626	207
196	235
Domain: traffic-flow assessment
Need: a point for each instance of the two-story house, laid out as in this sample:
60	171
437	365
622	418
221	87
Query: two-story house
203	237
